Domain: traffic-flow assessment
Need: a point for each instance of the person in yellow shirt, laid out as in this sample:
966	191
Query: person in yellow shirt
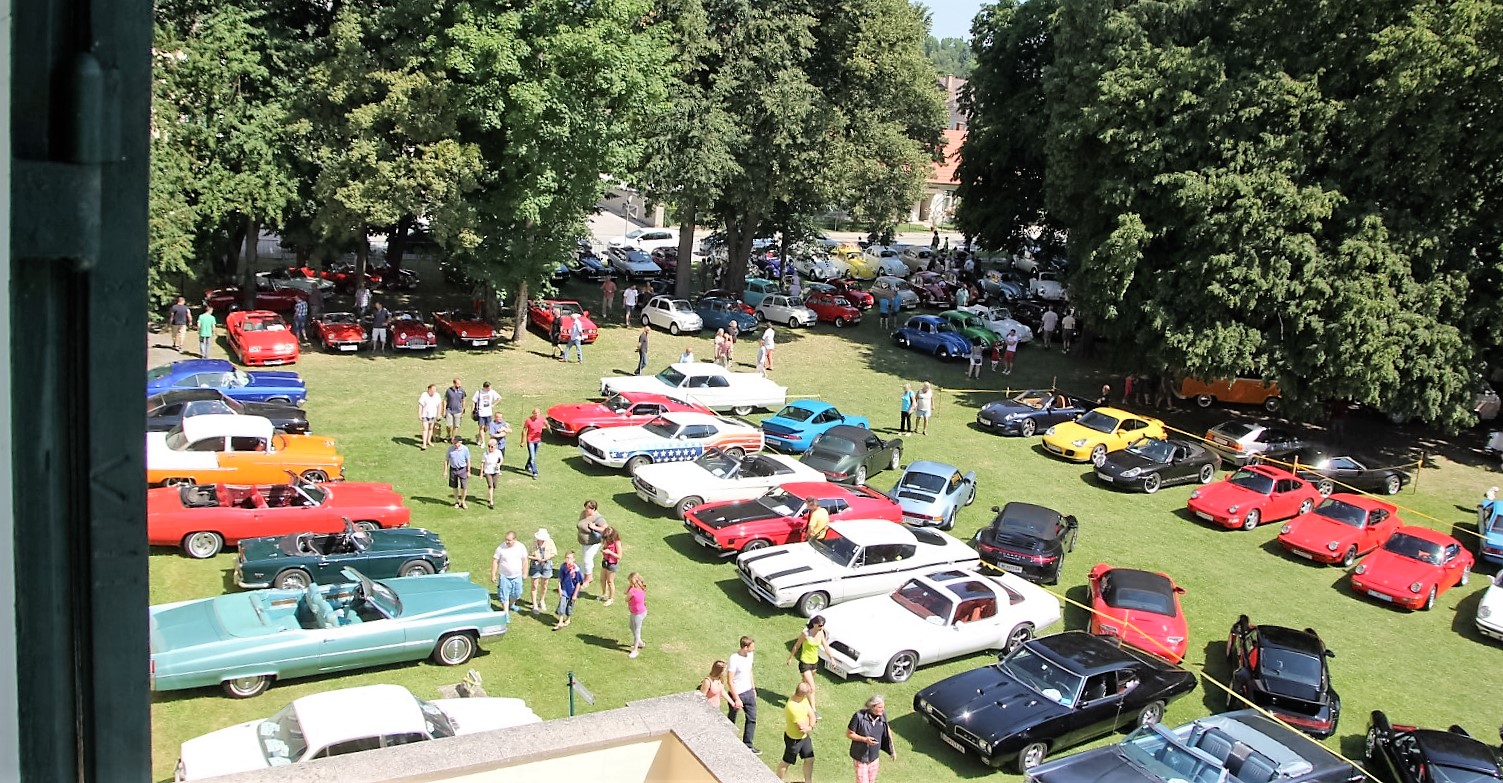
799	718
819	518
811	639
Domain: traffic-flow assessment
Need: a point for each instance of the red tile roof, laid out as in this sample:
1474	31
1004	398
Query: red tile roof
944	173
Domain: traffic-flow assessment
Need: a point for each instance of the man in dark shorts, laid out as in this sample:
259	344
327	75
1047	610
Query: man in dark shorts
457	467
797	744
454	402
178	318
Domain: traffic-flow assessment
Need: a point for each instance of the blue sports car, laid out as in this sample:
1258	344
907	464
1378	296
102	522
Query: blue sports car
932	493
1492	534
1031	412
719	313
932	334
795	427
260	386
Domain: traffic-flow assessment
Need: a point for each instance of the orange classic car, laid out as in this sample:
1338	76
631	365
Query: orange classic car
230	449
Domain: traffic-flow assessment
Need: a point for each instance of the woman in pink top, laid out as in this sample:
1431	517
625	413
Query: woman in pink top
713	687
636	606
610	562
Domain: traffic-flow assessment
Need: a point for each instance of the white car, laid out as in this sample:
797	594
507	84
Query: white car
671	437
855	559
646	239
335	723
999	320
821	267
888	260
935	617
916	258
894	288
1048	286
1490	610
717	476
781	309
675	315
710	385
634	264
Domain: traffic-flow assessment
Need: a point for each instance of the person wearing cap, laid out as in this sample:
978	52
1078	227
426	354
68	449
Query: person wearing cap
540	568
457	465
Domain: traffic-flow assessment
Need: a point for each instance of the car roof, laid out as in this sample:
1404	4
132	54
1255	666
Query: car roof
1289	639
957	582
847	432
926	318
817	406
1238	429
201	365
351	713
691	417
1433	536
1269	471
819	489
1038	521
1118	413
1136	579
1456	750
699	368
1364	502
1082	652
218	425
866	532
931	467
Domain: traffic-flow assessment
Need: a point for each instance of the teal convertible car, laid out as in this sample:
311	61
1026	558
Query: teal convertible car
245	641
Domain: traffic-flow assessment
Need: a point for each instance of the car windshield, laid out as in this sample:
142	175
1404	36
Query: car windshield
924	602
681	306
781	502
1440	773
795	301
1044	676
568	308
794	413
407	315
902	285
661	427
1299	667
718	463
618	404
946	326
264	323
382	598
1033	399
671	377
1339	511
1140	597
837	550
439	725
924	482
176	440
281	737
1252	481
1098	421
339	318
1414	548
841	302
158	373
1150	748
238	379
1152	450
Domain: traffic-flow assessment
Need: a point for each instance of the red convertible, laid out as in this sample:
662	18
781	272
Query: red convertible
622	410
781	515
1413	566
261	337
270	295
832	308
1253	495
340	332
933	290
409	333
202	518
540	316
343	277
464	328
1342	527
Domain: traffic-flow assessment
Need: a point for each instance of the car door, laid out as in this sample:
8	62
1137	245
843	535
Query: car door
1276	442
976	626
873	571
1096	711
1453	566
876	455
1285	499
1380	525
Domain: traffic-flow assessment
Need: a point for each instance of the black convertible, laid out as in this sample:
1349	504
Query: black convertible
168	409
1027	540
1050	693
850	454
1339	472
1031	412
1285	672
1406	754
1150	463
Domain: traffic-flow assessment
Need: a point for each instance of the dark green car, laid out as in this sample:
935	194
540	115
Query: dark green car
972	327
297	560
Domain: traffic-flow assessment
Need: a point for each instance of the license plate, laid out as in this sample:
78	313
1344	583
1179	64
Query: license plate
704	542
835	669
1303	553
952	742
1383	596
1205	516
479	343
1053	448
1016	569
1104	477
350	348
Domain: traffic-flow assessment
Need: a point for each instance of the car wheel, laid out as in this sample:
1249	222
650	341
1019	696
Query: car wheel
292	579
280	400
1304	507
902	341
742	410
1325	487
1151	714
415	568
1466	576
585	431
637	462
176	481
1207	472
1151	483
839	322
755	544
1430	599
861	475
1204	400
315	475
454	649
687	504
897	459
760	316
367	526
792	322
1019	637
1031	756
1349	558
1272	404
1252	519
1098	455
1370	745
1027	428
813	603
949	521
735	452
901	667
673	328
972	497
203	544
1392	485
246	687
942	353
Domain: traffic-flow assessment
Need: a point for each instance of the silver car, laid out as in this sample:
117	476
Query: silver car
1242	442
932	493
782	309
895	289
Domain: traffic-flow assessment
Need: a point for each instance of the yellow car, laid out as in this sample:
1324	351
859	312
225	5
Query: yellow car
863	266
1098	432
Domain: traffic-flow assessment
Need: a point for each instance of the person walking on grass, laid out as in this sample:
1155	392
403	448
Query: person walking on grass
485	408
206	325
882	308
556	334
508	567
628	303
1067	331
532	430
379	323
570	582
1050	321
1009	350
540	568
870	737
636	607
714	686
996	354
743	693
490	469
974	369
610	563
576	339
811	639
642	348
455	398
909	399
798	722
457	468
590	532
178	317
607	298
924	406
499	431
429	403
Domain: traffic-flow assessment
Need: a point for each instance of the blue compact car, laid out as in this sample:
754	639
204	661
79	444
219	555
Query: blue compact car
932	334
260	386
719	313
795	427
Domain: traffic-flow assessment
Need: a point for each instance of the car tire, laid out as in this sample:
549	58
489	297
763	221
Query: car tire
742	410
203	545
1018	637
1305	506
903	341
1325	487
792	322
1151	714
942	353
1028	428
1370	745
280	400
861	475
637	462
585	431
1207	473
972	497
901	667
735	452
1392	485
1252	519
1349	558
839	322
1151	483
246	687
1098	454
367	525
1272	404
673	328
415	568
1466	576
315	475
454	649
813	603
292	579
687	504
949	521
1031	756
177	481
1204	400
755	544
1430	599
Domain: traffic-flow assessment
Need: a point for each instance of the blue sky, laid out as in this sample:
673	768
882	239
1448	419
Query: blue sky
952	18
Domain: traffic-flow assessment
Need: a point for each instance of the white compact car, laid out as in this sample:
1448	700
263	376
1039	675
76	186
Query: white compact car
335	723
821	267
1048	286
675	315
855	559
999	320
671	437
717	476
708	384
895	289
887	260
647	239
781	309
935	617
1490	610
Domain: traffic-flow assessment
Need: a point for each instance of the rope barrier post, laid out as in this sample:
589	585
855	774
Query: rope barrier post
1419	467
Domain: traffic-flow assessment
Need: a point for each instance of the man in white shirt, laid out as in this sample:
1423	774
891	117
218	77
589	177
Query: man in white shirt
744	690
506	570
429	403
485	408
628	303
1050	320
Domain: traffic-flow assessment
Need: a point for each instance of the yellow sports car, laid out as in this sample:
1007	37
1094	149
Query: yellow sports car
1098	432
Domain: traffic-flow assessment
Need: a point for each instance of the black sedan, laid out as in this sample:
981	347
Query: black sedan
1340	472
1027	540
1050	693
1284	671
168	409
850	454
1151	463
1406	754
1030	412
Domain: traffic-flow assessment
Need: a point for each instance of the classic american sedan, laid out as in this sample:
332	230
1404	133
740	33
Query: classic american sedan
168	409
934	617
410	333
708	384
671	437
278	386
1099	432
1409	754
1048	694
260	337
931	494
781	515
243	642
463	328
832	308
932	334
1150	463
203	518
1285	672
716	476
1253	495
1139	607
237	449
296	560
1340	529
856	558
1413	567
1031	411
1028	540
852	454
795	427
340	332
627	409
540	316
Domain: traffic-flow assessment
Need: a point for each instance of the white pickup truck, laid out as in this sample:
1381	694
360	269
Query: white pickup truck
708	384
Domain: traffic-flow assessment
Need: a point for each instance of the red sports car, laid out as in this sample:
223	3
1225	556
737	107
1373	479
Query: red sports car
540	316
832	308
781	515
343	277
464	328
1254	495
203	518
340	332
854	295
1139	607
729	296
1342	527
622	410
409	333
261	337
270	295
1413	566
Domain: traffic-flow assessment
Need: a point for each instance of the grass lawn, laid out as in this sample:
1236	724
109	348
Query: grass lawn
1413	665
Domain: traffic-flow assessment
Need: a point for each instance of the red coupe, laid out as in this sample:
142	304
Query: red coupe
1414	565
343	277
622	410
832	308
270	295
540	316
464	328
409	333
1254	495
340	332
667	259
1342	527
1139	607
781	515
261	337
203	518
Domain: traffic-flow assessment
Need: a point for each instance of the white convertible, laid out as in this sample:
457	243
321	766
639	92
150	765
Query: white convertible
717	476
999	320
708	384
855	559
941	615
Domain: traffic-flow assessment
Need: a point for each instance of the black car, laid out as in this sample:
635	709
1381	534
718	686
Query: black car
1233	747
588	266
1406	754
1027	540
1050	693
168	409
850	454
1030	412
1151	463
1284	671
1330	472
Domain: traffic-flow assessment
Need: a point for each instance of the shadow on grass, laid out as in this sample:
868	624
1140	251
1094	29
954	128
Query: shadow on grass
1354	746
925	739
685	545
586	467
1216	667
431	501
736	591
1076	617
636	505
601	641
1464	621
403	440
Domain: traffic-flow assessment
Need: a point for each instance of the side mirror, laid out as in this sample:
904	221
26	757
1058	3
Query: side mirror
1179	590
998	510
1332	654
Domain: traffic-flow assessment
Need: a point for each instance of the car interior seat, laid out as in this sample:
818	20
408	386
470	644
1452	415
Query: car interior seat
321	608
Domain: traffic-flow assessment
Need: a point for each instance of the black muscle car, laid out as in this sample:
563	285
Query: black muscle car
1406	754
1151	463
850	454
1341	472
1027	540
168	409
1030	412
1285	672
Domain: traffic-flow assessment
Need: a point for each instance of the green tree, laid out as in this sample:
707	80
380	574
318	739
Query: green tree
951	56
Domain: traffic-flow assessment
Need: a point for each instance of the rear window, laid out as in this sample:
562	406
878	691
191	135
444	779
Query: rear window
1236	429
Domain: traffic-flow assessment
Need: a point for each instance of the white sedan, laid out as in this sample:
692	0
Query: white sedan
935	617
1490	610
999	320
675	315
717	476
780	309
708	384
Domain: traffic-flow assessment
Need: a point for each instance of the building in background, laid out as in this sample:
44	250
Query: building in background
937	205
955	119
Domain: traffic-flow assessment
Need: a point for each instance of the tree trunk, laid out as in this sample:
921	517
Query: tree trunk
246	262
681	284
740	250
362	258
396	245
519	313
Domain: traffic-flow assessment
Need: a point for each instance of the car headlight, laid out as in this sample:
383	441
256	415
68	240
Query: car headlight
1232	509
986	747
1416	587
1283	531
1010	417
1333	545
1132	472
463	333
1484	612
284	347
1361	569
1049	431
1078	442
432	336
921	704
1195	494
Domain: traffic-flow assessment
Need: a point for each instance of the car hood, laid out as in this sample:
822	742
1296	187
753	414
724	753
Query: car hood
1002	408
786	566
1101	765
1069	431
990	703
724	515
223	752
677	474
1225	494
1395	572
1313	531
408	327
621	438
581	411
1119	462
874	627
344	330
486	713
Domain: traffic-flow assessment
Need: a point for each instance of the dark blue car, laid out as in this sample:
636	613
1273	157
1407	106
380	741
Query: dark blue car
588	266
1031	412
718	314
237	384
932	334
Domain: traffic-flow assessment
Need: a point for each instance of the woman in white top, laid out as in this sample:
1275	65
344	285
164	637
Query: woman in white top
428	407
924	407
490	467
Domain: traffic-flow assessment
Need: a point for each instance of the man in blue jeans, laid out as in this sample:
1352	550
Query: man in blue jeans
576	338
743	695
642	349
507	568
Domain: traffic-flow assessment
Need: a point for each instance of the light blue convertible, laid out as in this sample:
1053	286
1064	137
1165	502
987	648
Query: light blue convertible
245	641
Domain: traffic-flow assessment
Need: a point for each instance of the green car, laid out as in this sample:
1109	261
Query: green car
244	641
293	562
971	327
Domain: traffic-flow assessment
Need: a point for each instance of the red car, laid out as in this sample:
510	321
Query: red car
729	296
933	290
1139	607
540	316
261	337
203	518
270	295
464	328
622	410
409	333
832	308
340	332
780	516
1342	527
667	259
1413	566
854	295
343	277
1254	495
